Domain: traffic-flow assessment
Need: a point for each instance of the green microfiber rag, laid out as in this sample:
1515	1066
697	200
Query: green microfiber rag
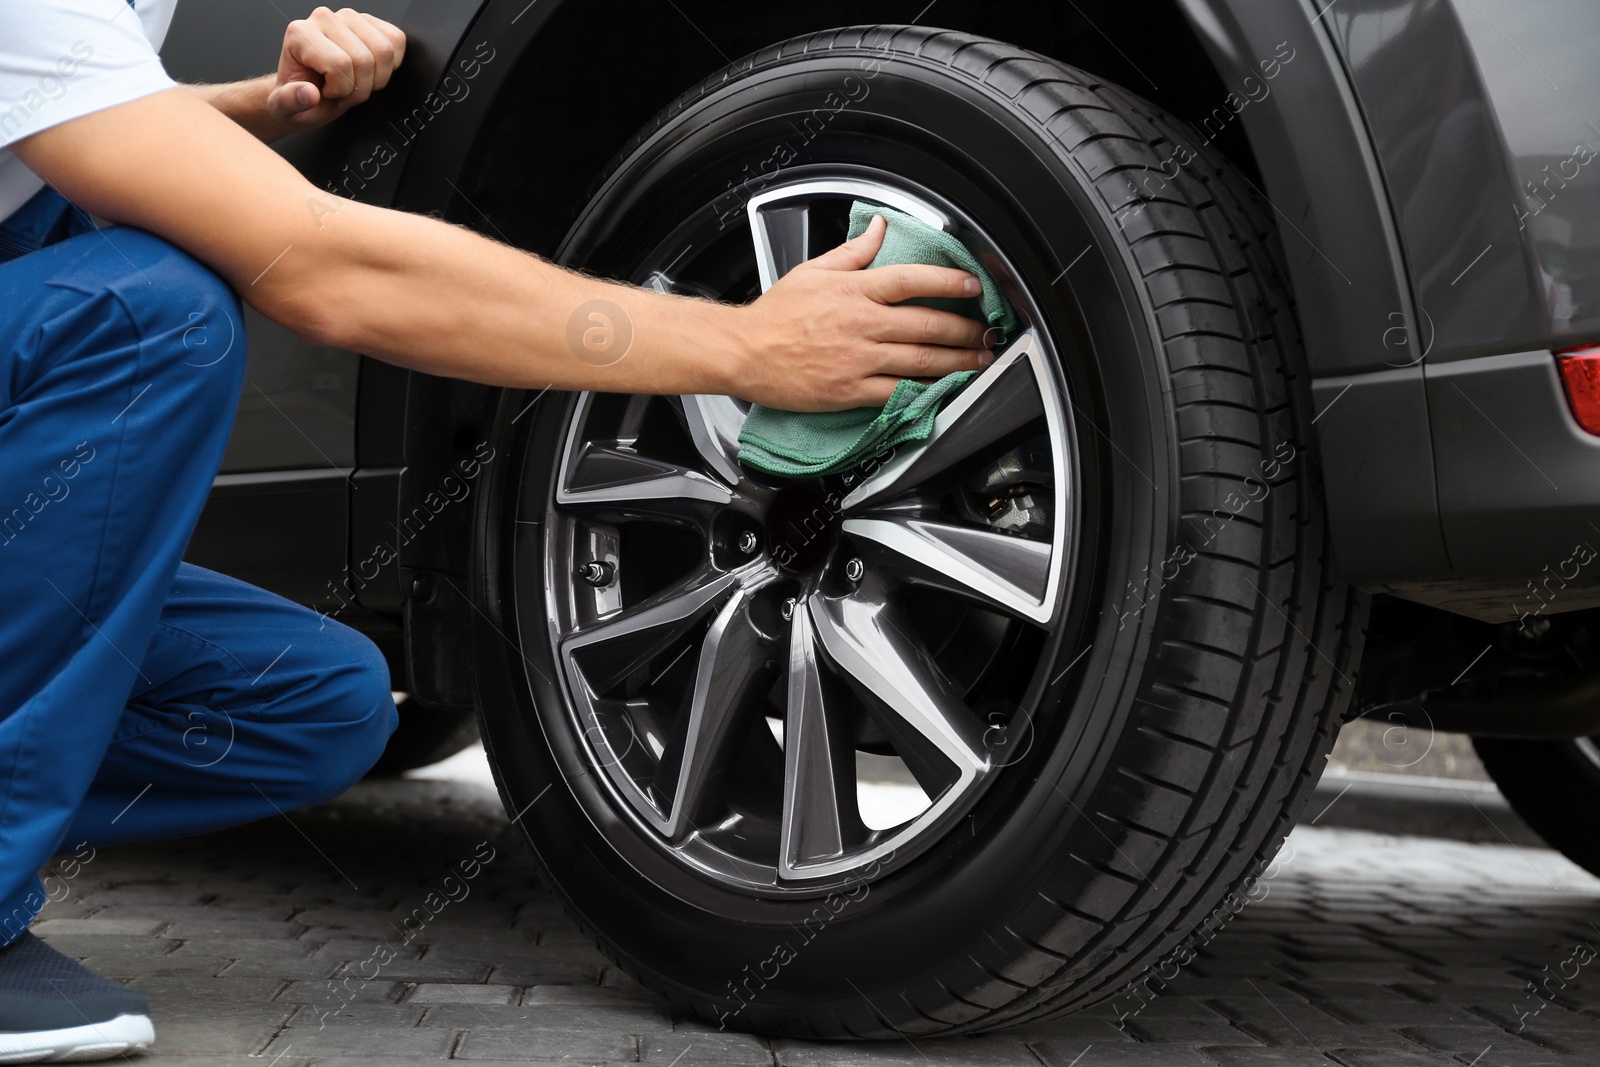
807	444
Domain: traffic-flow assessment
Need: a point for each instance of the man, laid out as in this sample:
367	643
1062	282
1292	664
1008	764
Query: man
115	405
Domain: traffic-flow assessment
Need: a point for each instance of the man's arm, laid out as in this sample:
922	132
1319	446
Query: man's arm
430	296
437	298
331	61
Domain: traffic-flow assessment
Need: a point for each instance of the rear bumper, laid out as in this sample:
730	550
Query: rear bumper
1517	487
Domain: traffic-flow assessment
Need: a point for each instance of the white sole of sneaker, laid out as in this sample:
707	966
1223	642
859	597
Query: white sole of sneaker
78	1044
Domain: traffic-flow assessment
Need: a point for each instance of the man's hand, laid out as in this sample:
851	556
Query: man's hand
826	335
331	61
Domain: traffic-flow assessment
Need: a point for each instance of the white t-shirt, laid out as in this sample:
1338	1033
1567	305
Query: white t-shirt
63	59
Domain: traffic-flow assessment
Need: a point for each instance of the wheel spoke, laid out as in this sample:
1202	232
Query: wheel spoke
862	635
820	819
1001	571
714	423
782	236
731	678
1003	398
617	480
610	651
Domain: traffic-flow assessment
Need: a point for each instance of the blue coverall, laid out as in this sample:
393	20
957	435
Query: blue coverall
141	697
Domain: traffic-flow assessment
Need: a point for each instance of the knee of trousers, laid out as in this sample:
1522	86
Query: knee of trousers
354	713
191	322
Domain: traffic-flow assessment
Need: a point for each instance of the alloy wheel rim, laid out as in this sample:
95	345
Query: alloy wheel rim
660	685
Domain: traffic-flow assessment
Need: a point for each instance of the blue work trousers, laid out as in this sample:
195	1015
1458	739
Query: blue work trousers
141	697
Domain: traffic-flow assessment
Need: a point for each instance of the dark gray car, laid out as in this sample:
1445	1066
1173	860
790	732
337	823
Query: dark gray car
1301	424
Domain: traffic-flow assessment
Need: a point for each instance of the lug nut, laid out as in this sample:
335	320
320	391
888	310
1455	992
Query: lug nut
788	609
855	569
597	572
748	542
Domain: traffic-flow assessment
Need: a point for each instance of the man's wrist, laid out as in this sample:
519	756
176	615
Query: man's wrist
245	102
729	357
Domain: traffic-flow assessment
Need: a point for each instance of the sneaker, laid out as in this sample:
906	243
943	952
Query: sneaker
55	1010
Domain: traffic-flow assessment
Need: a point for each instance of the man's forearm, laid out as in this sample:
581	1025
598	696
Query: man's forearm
437	298
245	103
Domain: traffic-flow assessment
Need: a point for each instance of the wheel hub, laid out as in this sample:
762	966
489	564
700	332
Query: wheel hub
802	526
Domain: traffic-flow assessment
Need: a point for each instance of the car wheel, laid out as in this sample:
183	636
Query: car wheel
1554	785
1093	617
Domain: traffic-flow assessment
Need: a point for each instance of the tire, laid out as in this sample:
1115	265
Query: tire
424	737
1554	786
1157	734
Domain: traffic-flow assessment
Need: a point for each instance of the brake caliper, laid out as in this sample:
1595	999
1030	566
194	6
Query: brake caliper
1014	494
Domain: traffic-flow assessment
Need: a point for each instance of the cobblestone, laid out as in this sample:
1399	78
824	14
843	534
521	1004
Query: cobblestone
310	945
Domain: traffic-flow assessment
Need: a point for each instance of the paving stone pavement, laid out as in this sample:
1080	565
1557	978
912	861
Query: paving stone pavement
310	940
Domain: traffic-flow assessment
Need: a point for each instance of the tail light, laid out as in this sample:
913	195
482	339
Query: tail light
1580	375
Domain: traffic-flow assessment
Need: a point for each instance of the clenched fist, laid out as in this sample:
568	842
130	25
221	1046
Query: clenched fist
331	61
